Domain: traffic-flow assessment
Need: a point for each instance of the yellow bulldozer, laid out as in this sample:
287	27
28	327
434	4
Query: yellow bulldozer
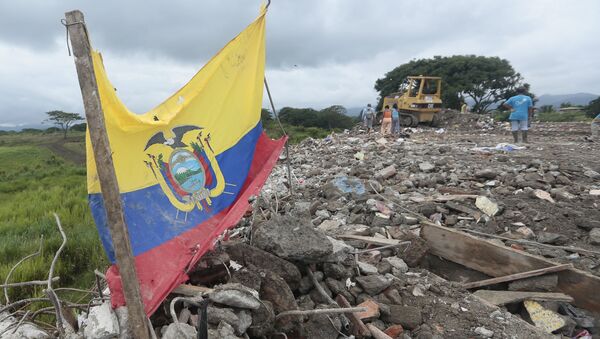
419	100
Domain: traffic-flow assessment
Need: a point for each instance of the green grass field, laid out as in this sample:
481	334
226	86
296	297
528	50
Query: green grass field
34	183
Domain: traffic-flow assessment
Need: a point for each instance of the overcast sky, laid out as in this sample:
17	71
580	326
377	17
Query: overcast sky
319	52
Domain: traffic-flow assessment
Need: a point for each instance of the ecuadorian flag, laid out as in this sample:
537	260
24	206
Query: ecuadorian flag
187	167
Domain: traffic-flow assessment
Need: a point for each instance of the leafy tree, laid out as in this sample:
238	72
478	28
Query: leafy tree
51	130
546	109
566	104
593	108
484	80
79	127
63	120
265	116
328	118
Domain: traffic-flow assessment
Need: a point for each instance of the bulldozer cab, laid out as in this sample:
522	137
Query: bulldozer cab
425	88
419	100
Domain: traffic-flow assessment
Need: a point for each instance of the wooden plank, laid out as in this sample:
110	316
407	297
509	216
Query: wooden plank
106	173
452	197
496	260
370	240
191	290
464	209
517	276
500	298
377	333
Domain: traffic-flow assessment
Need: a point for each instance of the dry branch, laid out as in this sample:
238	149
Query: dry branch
16	265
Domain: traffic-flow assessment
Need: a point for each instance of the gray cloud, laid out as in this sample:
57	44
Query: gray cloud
319	52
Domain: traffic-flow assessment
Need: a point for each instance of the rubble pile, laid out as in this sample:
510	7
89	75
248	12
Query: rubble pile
343	256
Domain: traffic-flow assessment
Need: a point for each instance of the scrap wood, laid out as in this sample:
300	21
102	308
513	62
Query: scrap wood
450	197
533	243
464	209
517	276
497	260
358	327
370	240
322	311
500	298
191	290
377	333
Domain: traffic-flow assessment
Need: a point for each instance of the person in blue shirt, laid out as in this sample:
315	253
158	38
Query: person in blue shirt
520	106
395	120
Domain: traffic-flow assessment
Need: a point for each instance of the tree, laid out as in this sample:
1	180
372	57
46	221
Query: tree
593	108
79	127
566	104
484	80
63	120
327	118
547	109
265	116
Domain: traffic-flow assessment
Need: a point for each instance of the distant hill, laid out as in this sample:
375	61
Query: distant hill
353	111
18	127
557	99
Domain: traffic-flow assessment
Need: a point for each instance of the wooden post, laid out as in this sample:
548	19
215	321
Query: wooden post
106	173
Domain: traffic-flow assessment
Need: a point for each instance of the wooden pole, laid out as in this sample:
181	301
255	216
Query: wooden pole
106	173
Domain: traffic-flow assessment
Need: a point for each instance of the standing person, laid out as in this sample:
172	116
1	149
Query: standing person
395	120
386	123
368	114
520	106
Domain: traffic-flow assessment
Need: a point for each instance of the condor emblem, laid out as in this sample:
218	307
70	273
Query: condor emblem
185	167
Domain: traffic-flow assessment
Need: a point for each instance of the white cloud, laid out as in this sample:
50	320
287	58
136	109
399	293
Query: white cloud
319	53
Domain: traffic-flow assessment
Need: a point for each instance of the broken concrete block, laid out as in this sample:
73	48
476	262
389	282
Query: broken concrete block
587	224
397	263
248	255
329	225
183	331
372	311
592	174
263	320
223	331
320	326
236	295
25	330
101	322
387	172
373	284
487	206
595	236
525	232
484	332
426	166
552	238
486	173
366	268
292	238
217	314
544	319
408	316
275	290
541	194
342	252
542	283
